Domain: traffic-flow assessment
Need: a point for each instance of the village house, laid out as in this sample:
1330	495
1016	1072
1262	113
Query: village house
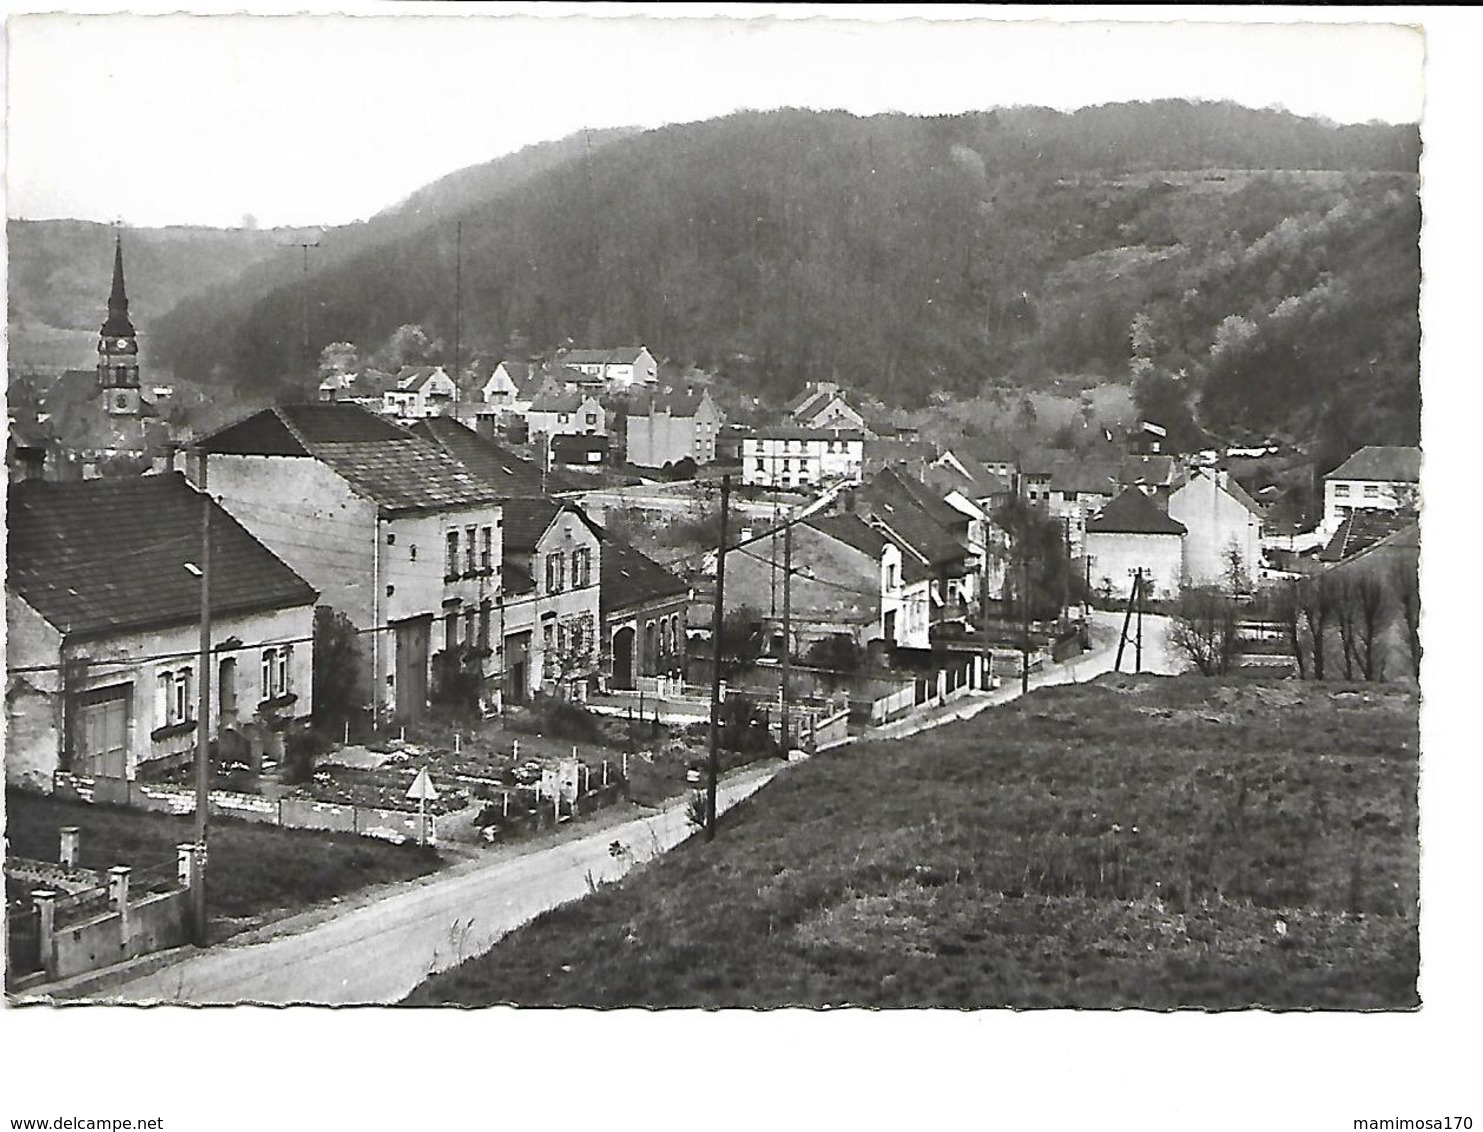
671	425
103	605
509	475
502	388
789	457
902	577
393	532
619	368
570	414
1131	534
921	513
573	451
643	617
552	615
822	405
1223	531
1373	479
839	583
421	391
1076	491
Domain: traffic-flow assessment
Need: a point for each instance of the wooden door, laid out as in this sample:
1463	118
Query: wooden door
412	639
105	738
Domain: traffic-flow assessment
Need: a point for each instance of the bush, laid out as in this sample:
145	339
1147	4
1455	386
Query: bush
302	748
558	719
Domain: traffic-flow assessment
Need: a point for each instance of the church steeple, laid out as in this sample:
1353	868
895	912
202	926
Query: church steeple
118	347
118	323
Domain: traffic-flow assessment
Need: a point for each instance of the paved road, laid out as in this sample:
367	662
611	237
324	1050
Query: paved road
1158	658
379	952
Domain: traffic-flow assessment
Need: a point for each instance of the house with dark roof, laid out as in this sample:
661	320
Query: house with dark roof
643	618
421	391
619	367
566	413
822	405
510	475
550	627
1132	535
790	457
840	566
584	452
1223	530
669	425
395	533
103	604
1373	479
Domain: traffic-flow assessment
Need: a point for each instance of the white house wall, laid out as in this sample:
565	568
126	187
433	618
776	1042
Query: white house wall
33	706
1114	557
1215	523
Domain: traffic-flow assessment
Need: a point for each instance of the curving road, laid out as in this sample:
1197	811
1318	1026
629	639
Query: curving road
377	953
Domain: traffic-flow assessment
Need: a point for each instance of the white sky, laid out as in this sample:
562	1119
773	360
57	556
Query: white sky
326	119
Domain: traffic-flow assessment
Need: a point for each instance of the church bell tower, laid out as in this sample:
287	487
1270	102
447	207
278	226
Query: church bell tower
118	348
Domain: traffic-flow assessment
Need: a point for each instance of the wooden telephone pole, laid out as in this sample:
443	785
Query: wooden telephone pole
203	708
787	626
714	762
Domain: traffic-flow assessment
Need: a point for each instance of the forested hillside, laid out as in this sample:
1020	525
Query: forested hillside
906	255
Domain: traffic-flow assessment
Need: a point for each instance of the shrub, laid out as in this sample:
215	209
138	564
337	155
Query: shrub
302	748
559	719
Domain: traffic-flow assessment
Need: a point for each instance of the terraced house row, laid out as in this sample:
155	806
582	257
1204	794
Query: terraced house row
446	553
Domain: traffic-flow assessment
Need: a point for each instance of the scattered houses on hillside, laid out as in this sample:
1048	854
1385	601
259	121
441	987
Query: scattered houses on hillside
103	605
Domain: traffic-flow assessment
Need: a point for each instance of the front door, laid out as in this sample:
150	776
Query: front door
517	667
105	737
412	638
623	657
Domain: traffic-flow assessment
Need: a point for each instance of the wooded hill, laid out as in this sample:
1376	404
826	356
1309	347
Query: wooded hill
905	255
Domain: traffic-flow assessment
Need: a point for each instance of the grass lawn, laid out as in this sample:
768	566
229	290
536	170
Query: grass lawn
1135	842
254	870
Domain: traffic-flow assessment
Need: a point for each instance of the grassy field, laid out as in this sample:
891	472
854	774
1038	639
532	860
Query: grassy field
254	872
1137	842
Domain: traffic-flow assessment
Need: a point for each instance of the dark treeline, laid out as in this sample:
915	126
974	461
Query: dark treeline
903	255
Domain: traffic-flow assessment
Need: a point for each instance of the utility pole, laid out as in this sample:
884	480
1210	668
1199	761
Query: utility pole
308	361
457	299
203	707
787	624
714	762
1122	639
1024	620
1138	643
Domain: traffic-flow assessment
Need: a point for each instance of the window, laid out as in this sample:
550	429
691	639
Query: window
761	464
450	560
469	562
1372	491
277	665
172	703
470	626
592	418
555	572
891	575
486	548
450	630
1341	490
484	624
582	567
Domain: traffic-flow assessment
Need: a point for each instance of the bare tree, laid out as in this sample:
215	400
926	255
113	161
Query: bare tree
1287	609
1318	609
1407	587
1345	602
1369	595
1205	630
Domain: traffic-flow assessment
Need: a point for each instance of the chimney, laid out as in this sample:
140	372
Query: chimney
162	461
90	470
484	425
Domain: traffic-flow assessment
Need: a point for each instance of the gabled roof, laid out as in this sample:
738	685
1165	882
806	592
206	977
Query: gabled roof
676	402
415	377
851	530
895	482
616	356
631	578
1155	471
406	475
1362	530
1387	465
797	432
917	531
526	520
550	401
1085	477
515	371
105	555
295	430
511	476
1132	512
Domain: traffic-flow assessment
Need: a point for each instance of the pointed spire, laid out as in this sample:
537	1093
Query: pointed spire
118	324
